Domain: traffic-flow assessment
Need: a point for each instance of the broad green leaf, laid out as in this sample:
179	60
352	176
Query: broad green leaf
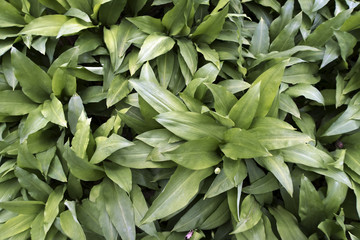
210	28
56	170
37	229
81	137
53	111
176	19
234	170
119	175
147	24
332	52
260	41
88	216
140	209
224	100
178	192
75	109
69	58
242	144
48	25
319	4
196	154
351	159
117	40
120	209
351	23
311	208
25	159
263	185
16	225
344	123
136	5
277	166
157	137
136	157
324	31
190	125
301	73
23	207
286	224
243	112
38	189
219	217
77	13
52	207
35	83
71	226
83	5
306	90
287	104
335	196
250	215
110	11
269	83
286	14
198	213
158	97
353	84
73	26
165	67
63	83
188	52
209	54
106	146
285	39
346	42
10	16
220	184
154	46
279	138
33	123
8	70
81	168
305	154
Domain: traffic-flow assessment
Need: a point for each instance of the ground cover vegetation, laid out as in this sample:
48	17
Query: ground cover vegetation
195	119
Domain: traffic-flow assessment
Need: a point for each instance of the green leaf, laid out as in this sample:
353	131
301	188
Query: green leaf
176	19
286	14
158	97
224	100
221	183
269	84
265	184
140	209
285	39
10	16
279	138
110	11
25	159
165	67
242	144
210	28
287	104
250	215
117	40
73	26
209	54
8	70
52	207
277	166
63	83
119	175
344	123
306	90
35	83
351	23
190	125
147	24
304	154
81	168
23	207
219	217
311	208
38	189
48	25
243	112
120	209
53	111
351	159
196	154
71	226
14	103
235	170
15	225
106	146
81	137
332	52
324	31
136	157
260	41
335	196
198	213
188	52
301	73
286	224
154	46
346	42
178	192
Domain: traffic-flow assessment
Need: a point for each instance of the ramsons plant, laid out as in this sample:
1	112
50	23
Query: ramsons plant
161	119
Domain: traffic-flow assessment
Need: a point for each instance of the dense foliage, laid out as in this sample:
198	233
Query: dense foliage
161	119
